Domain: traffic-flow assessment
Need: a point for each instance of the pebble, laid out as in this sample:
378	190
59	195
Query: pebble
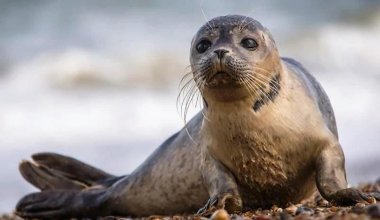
303	209
372	200
291	209
373	210
263	217
220	214
155	217
334	209
323	203
359	205
236	217
358	208
284	216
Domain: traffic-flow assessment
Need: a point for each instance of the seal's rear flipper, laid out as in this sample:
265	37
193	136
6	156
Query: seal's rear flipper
72	168
53	171
46	179
68	204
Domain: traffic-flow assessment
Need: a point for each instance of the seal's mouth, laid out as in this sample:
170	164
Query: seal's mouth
220	78
220	74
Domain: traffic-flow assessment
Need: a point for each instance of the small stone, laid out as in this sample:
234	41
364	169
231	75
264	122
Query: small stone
334	209
262	217
305	210
318	210
373	210
332	217
154	217
220	214
291	209
372	200
359	205
274	208
199	218
236	217
323	203
358	208
284	216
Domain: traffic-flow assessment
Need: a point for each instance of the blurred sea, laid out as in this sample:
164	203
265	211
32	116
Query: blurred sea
98	80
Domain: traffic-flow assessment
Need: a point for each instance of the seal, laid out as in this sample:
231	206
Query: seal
266	136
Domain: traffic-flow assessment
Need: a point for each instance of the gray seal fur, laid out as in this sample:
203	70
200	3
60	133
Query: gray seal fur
266	136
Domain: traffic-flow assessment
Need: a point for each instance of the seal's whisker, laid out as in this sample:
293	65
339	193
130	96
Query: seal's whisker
248	23
186	75
190	100
256	88
189	81
264	94
204	16
264	76
186	100
267	81
272	83
184	93
258	81
260	87
184	87
240	27
191	89
252	90
246	84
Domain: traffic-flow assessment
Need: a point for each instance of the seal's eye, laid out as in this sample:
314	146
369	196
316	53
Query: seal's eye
203	46
249	43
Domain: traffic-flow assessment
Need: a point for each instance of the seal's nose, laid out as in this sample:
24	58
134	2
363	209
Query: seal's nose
221	52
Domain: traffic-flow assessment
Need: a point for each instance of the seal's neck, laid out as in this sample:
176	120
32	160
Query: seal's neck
249	103
268	96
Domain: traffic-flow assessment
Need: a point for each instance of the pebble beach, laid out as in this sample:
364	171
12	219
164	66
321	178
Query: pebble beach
314	208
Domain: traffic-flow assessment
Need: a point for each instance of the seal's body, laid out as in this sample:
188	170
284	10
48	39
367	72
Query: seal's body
266	136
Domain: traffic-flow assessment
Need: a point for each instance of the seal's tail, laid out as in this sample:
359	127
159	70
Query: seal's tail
50	171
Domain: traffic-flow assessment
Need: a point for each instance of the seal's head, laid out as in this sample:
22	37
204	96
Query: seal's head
234	57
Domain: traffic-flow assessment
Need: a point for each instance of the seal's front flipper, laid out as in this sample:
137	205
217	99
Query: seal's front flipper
331	179
71	168
222	188
228	201
64	204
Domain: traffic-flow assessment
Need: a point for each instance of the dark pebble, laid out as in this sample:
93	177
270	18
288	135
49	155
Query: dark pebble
358	210
284	216
305	210
236	217
373	210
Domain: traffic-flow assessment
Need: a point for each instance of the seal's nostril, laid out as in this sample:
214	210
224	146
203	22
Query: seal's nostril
221	53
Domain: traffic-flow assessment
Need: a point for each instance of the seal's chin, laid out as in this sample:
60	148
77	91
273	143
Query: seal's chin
222	80
222	86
